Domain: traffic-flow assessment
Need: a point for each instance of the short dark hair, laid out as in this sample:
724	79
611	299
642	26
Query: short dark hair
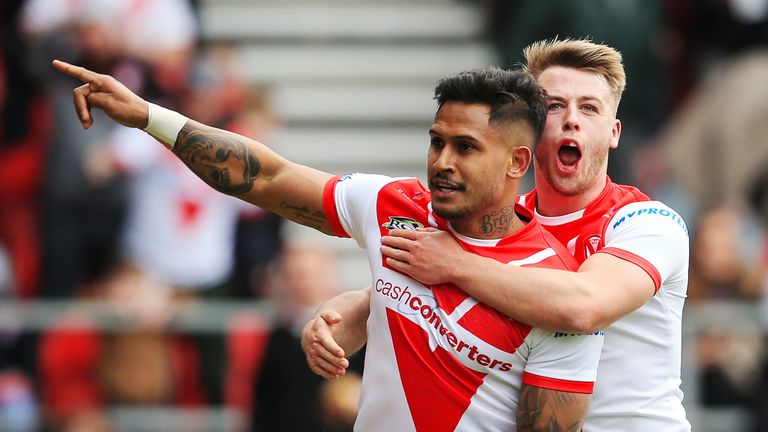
513	95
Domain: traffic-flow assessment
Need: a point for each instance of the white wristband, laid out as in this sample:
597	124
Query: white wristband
164	124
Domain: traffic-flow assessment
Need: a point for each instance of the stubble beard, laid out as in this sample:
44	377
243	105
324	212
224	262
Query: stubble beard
467	211
452	215
573	186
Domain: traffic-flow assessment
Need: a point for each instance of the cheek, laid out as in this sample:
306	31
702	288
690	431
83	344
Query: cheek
553	124
491	176
430	160
542	152
547	142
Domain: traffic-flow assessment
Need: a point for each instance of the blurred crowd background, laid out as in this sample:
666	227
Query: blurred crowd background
133	297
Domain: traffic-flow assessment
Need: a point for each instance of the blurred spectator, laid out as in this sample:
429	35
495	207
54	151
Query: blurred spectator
178	231
701	35
156	31
726	256
18	398
82	213
288	395
727	266
83	368
717	144
730	363
24	132
176	234
148	44
18	404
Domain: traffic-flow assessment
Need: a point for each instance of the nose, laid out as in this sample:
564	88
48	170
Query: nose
443	159
571	120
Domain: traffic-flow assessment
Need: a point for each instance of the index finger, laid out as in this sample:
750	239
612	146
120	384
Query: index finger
404	233
78	72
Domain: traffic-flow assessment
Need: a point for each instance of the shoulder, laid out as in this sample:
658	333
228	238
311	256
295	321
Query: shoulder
614	197
651	235
359	186
629	193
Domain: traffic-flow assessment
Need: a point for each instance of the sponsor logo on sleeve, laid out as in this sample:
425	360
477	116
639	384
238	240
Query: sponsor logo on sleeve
659	211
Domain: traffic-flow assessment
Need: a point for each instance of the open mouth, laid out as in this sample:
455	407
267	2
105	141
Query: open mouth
569	155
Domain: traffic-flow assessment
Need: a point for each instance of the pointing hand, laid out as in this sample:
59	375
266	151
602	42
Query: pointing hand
105	93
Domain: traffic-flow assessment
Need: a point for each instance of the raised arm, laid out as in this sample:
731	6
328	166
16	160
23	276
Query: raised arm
604	289
337	330
228	162
547	410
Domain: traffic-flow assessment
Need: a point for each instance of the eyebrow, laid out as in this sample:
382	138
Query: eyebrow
580	98
432	131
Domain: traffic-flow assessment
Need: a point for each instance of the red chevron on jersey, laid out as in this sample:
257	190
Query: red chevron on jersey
494	328
448	297
426	374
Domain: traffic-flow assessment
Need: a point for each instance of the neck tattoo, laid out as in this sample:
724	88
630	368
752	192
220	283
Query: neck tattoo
498	223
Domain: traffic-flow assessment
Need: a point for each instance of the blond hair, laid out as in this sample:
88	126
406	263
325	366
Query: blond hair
580	54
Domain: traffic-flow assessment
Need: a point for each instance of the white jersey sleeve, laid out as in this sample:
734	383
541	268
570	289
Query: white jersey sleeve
652	236
349	200
562	361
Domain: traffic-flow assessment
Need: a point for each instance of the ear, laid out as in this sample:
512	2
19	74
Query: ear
519	161
615	134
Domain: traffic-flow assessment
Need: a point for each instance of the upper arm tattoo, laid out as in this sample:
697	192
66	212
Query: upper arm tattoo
217	157
550	410
228	164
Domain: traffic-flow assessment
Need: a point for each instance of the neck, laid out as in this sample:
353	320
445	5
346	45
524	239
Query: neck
549	202
493	224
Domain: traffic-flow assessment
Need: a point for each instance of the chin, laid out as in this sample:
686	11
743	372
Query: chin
567	187
451	213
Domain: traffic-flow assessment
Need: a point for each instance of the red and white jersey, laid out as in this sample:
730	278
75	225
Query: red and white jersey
638	386
436	359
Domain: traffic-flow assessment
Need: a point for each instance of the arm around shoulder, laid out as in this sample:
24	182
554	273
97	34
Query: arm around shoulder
604	289
646	246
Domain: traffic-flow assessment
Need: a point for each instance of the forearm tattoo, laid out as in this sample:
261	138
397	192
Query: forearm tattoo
304	215
497	222
217	157
551	411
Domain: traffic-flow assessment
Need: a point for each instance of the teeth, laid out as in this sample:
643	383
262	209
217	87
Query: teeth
443	188
572	145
